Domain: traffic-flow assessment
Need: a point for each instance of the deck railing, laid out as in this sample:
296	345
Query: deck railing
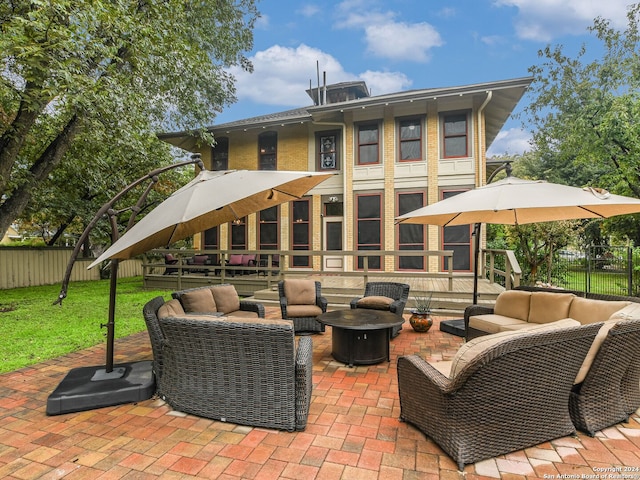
358	262
502	264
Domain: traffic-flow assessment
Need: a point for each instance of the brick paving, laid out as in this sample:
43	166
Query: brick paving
353	431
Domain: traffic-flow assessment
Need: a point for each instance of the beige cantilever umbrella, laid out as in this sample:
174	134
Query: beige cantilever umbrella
514	201
211	198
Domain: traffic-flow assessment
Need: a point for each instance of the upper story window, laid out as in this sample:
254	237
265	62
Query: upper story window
410	136
267	150
455	139
220	154
328	151
368	144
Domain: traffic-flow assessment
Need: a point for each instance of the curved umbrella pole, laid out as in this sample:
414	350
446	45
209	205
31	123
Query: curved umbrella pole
107	209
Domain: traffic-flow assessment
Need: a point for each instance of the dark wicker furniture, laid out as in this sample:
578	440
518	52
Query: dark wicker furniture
610	391
399	292
304	323
512	396
150	313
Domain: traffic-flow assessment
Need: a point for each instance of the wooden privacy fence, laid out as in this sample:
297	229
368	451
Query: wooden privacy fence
29	267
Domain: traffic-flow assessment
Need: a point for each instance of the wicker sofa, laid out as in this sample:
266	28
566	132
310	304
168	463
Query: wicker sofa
606	389
241	370
222	299
509	391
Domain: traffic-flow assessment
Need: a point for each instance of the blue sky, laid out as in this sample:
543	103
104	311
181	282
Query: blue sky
408	44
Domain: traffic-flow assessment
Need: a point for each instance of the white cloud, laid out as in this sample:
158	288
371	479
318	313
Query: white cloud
380	83
512	141
385	36
543	20
309	10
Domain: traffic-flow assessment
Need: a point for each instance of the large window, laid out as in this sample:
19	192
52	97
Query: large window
410	135
369	227
269	229
368	144
410	236
328	152
267	150
220	154
301	231
455	135
458	239
239	234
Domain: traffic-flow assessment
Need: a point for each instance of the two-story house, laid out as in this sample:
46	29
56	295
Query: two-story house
392	154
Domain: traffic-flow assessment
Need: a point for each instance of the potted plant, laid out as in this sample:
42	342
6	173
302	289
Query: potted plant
420	319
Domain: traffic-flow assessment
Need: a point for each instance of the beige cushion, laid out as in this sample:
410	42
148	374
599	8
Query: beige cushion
548	307
303	311
300	292
586	310
199	300
172	308
471	349
627	313
593	350
492	323
226	297
526	326
514	304
444	367
377	302
243	314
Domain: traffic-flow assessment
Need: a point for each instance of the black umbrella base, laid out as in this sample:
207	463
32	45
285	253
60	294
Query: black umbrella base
454	327
88	388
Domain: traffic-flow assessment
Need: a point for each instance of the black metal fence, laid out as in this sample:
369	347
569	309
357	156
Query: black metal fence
599	269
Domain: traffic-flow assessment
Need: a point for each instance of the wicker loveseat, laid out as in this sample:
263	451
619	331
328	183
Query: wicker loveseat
507	395
232	369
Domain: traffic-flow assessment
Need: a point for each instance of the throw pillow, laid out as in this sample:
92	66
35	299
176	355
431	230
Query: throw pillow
378	302
172	308
199	300
226	298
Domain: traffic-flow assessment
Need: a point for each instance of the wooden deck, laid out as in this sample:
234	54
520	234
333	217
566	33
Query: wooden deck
340	289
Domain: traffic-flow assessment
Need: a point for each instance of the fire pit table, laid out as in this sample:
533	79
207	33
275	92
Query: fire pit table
360	336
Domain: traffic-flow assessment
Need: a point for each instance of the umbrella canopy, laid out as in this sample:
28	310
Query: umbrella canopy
211	198
514	201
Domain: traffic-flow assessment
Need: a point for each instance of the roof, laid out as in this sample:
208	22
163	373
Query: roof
502	97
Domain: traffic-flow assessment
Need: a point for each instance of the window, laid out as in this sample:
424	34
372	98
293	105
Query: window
369	227
269	229
267	149
301	231
410	135
410	237
458	239
455	142
212	242
239	234
327	148
368	144
220	154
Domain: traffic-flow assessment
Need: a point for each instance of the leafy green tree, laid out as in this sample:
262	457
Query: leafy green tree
86	83
585	115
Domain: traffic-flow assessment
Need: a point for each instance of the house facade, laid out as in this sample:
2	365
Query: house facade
390	153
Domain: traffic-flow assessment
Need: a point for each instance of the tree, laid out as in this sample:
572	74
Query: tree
586	113
92	76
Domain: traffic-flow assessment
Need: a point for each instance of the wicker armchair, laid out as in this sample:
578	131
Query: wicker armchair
513	395
301	301
610	391
393	297
244	371
150	313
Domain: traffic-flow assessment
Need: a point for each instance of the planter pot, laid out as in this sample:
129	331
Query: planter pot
421	322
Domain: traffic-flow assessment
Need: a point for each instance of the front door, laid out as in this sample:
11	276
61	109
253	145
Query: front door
332	242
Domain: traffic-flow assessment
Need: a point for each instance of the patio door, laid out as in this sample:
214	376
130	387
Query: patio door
332	242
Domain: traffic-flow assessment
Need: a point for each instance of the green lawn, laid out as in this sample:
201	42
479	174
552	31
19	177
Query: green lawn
32	329
599	282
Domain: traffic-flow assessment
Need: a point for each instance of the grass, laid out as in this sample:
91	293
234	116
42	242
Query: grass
33	330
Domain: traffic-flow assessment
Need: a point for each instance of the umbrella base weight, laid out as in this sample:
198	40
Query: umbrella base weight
454	327
88	388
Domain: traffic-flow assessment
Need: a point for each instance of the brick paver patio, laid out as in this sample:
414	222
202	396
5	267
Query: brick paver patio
353	431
